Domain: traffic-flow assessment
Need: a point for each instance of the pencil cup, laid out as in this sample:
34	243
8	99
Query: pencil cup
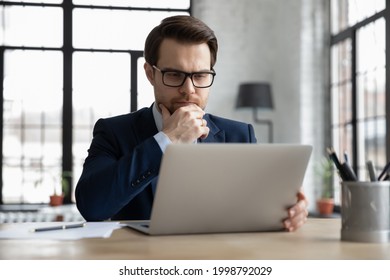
365	211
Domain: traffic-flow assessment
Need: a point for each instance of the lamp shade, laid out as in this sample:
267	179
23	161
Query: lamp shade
255	95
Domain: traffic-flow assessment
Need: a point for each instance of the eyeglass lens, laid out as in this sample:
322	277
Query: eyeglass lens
174	79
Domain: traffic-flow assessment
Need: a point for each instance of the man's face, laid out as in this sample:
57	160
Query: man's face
182	57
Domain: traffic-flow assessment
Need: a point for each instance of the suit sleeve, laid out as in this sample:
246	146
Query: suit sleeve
251	134
111	178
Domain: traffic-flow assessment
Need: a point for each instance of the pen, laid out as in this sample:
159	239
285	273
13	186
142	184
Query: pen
383	175
58	227
346	156
334	158
371	171
345	171
348	172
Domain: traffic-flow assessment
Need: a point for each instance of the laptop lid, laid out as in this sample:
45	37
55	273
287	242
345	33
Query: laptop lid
215	188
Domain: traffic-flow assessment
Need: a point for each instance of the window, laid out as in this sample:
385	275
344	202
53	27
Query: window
358	87
66	64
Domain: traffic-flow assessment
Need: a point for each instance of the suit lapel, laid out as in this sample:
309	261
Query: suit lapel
215	134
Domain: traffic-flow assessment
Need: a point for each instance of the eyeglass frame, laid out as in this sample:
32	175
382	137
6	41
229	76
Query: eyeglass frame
186	75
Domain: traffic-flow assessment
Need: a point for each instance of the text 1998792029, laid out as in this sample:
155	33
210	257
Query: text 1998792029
215	271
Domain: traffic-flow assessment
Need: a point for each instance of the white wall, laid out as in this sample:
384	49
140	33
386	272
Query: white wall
281	42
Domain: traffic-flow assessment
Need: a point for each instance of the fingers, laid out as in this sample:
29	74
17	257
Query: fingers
293	224
297	214
205	129
301	196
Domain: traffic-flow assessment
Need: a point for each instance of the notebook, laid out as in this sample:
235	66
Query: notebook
220	188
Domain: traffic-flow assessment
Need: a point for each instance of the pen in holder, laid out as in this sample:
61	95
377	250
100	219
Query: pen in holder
365	211
344	170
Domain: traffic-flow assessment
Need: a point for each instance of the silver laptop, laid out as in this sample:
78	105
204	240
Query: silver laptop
216	188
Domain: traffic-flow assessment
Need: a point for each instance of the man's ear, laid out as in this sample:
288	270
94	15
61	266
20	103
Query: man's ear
149	71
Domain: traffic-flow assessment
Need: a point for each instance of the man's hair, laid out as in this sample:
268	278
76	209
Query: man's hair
184	29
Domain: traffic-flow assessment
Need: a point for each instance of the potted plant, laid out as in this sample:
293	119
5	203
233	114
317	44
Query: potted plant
325	202
56	198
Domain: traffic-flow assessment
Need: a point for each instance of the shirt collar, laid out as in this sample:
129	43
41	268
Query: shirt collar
157	117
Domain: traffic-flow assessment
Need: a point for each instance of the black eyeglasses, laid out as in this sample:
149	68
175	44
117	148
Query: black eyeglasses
176	78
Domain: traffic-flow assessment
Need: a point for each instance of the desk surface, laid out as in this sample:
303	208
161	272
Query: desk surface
318	239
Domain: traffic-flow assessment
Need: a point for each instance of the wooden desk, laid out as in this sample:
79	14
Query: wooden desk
318	239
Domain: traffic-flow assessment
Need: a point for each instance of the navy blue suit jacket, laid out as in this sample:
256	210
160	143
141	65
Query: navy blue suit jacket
121	169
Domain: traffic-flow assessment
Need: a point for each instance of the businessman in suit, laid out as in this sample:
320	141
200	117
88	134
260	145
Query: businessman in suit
121	170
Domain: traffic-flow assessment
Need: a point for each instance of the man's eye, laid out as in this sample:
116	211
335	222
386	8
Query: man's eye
173	74
200	76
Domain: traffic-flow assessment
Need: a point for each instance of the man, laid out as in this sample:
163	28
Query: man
120	173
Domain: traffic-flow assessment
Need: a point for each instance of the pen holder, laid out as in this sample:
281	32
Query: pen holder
365	211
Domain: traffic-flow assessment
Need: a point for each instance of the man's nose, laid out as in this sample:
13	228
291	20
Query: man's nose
188	86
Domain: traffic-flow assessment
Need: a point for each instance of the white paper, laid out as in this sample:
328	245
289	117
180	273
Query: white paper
90	230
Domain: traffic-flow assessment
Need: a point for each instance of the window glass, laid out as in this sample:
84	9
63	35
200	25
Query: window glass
371	97
173	4
371	51
38	1
113	29
359	10
32	26
345	103
33	87
32	148
346	13
101	84
339	17
341	62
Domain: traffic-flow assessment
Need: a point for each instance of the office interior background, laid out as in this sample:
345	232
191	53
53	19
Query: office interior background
64	64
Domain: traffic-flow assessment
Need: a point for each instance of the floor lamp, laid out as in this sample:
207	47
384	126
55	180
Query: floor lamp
257	96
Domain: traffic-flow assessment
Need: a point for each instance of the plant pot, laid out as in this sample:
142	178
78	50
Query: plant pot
325	206
56	200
